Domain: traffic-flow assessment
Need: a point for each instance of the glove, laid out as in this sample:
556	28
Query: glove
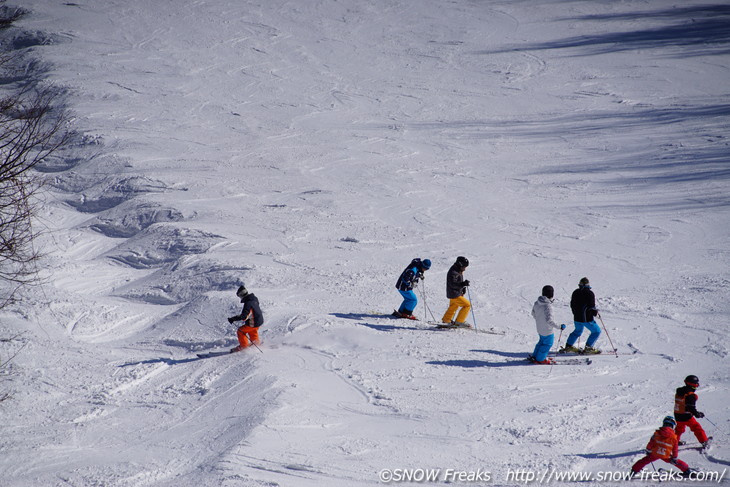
231	320
699	414
421	276
465	283
562	327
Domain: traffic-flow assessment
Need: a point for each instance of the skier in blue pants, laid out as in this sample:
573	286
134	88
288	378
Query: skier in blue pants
407	280
542	311
583	305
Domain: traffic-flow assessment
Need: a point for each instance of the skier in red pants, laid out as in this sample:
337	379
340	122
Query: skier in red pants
685	410
252	318
663	445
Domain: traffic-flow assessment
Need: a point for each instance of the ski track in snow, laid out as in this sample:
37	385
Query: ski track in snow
311	150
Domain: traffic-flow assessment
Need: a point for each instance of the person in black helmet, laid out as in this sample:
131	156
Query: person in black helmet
583	305
455	290
542	311
252	318
685	410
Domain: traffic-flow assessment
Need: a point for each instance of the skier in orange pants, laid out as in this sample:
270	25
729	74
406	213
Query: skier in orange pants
252	317
247	335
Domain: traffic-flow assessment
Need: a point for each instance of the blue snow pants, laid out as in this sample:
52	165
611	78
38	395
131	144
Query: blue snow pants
543	347
592	327
409	302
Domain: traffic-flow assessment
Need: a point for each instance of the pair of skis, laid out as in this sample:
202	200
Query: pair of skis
449	326
454	326
214	354
494	331
221	353
566	361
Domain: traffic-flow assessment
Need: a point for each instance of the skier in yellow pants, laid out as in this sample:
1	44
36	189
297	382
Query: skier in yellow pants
455	289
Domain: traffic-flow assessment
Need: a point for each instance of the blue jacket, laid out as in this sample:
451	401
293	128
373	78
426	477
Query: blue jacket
410	276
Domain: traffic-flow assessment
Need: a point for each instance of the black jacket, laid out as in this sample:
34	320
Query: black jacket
583	305
455	282
251	312
685	403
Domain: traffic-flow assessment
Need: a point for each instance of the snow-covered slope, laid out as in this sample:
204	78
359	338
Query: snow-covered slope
310	149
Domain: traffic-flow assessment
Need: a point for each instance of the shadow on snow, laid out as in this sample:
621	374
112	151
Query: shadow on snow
516	359
363	317
691	31
609	455
187	347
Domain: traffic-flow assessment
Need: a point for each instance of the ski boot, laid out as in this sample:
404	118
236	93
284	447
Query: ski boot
407	316
688	473
706	444
547	361
590	351
569	349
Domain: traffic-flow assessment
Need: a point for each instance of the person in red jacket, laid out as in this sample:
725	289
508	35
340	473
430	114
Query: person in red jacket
685	410
663	445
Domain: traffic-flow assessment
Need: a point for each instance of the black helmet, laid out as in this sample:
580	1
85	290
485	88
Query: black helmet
462	261
583	282
548	292
669	421
242	292
692	381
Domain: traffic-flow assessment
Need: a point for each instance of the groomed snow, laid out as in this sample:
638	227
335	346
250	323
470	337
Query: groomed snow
311	149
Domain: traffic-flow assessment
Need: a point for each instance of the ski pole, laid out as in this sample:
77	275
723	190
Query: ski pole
426	309
608	336
710	421
473	318
560	336
252	343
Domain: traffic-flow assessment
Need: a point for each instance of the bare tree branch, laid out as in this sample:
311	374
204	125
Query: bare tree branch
33	125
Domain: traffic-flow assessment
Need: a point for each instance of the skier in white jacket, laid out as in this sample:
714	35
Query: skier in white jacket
542	311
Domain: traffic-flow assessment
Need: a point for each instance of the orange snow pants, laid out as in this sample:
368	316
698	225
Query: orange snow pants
454	304
253	335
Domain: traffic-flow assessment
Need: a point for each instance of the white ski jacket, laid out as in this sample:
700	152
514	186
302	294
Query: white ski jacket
542	311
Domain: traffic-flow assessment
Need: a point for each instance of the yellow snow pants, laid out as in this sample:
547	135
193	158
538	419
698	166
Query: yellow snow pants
454	304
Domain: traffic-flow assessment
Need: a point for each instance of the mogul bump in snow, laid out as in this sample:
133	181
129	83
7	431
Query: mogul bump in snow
407	280
663	445
685	410
252	318
583	305
542	311
455	289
